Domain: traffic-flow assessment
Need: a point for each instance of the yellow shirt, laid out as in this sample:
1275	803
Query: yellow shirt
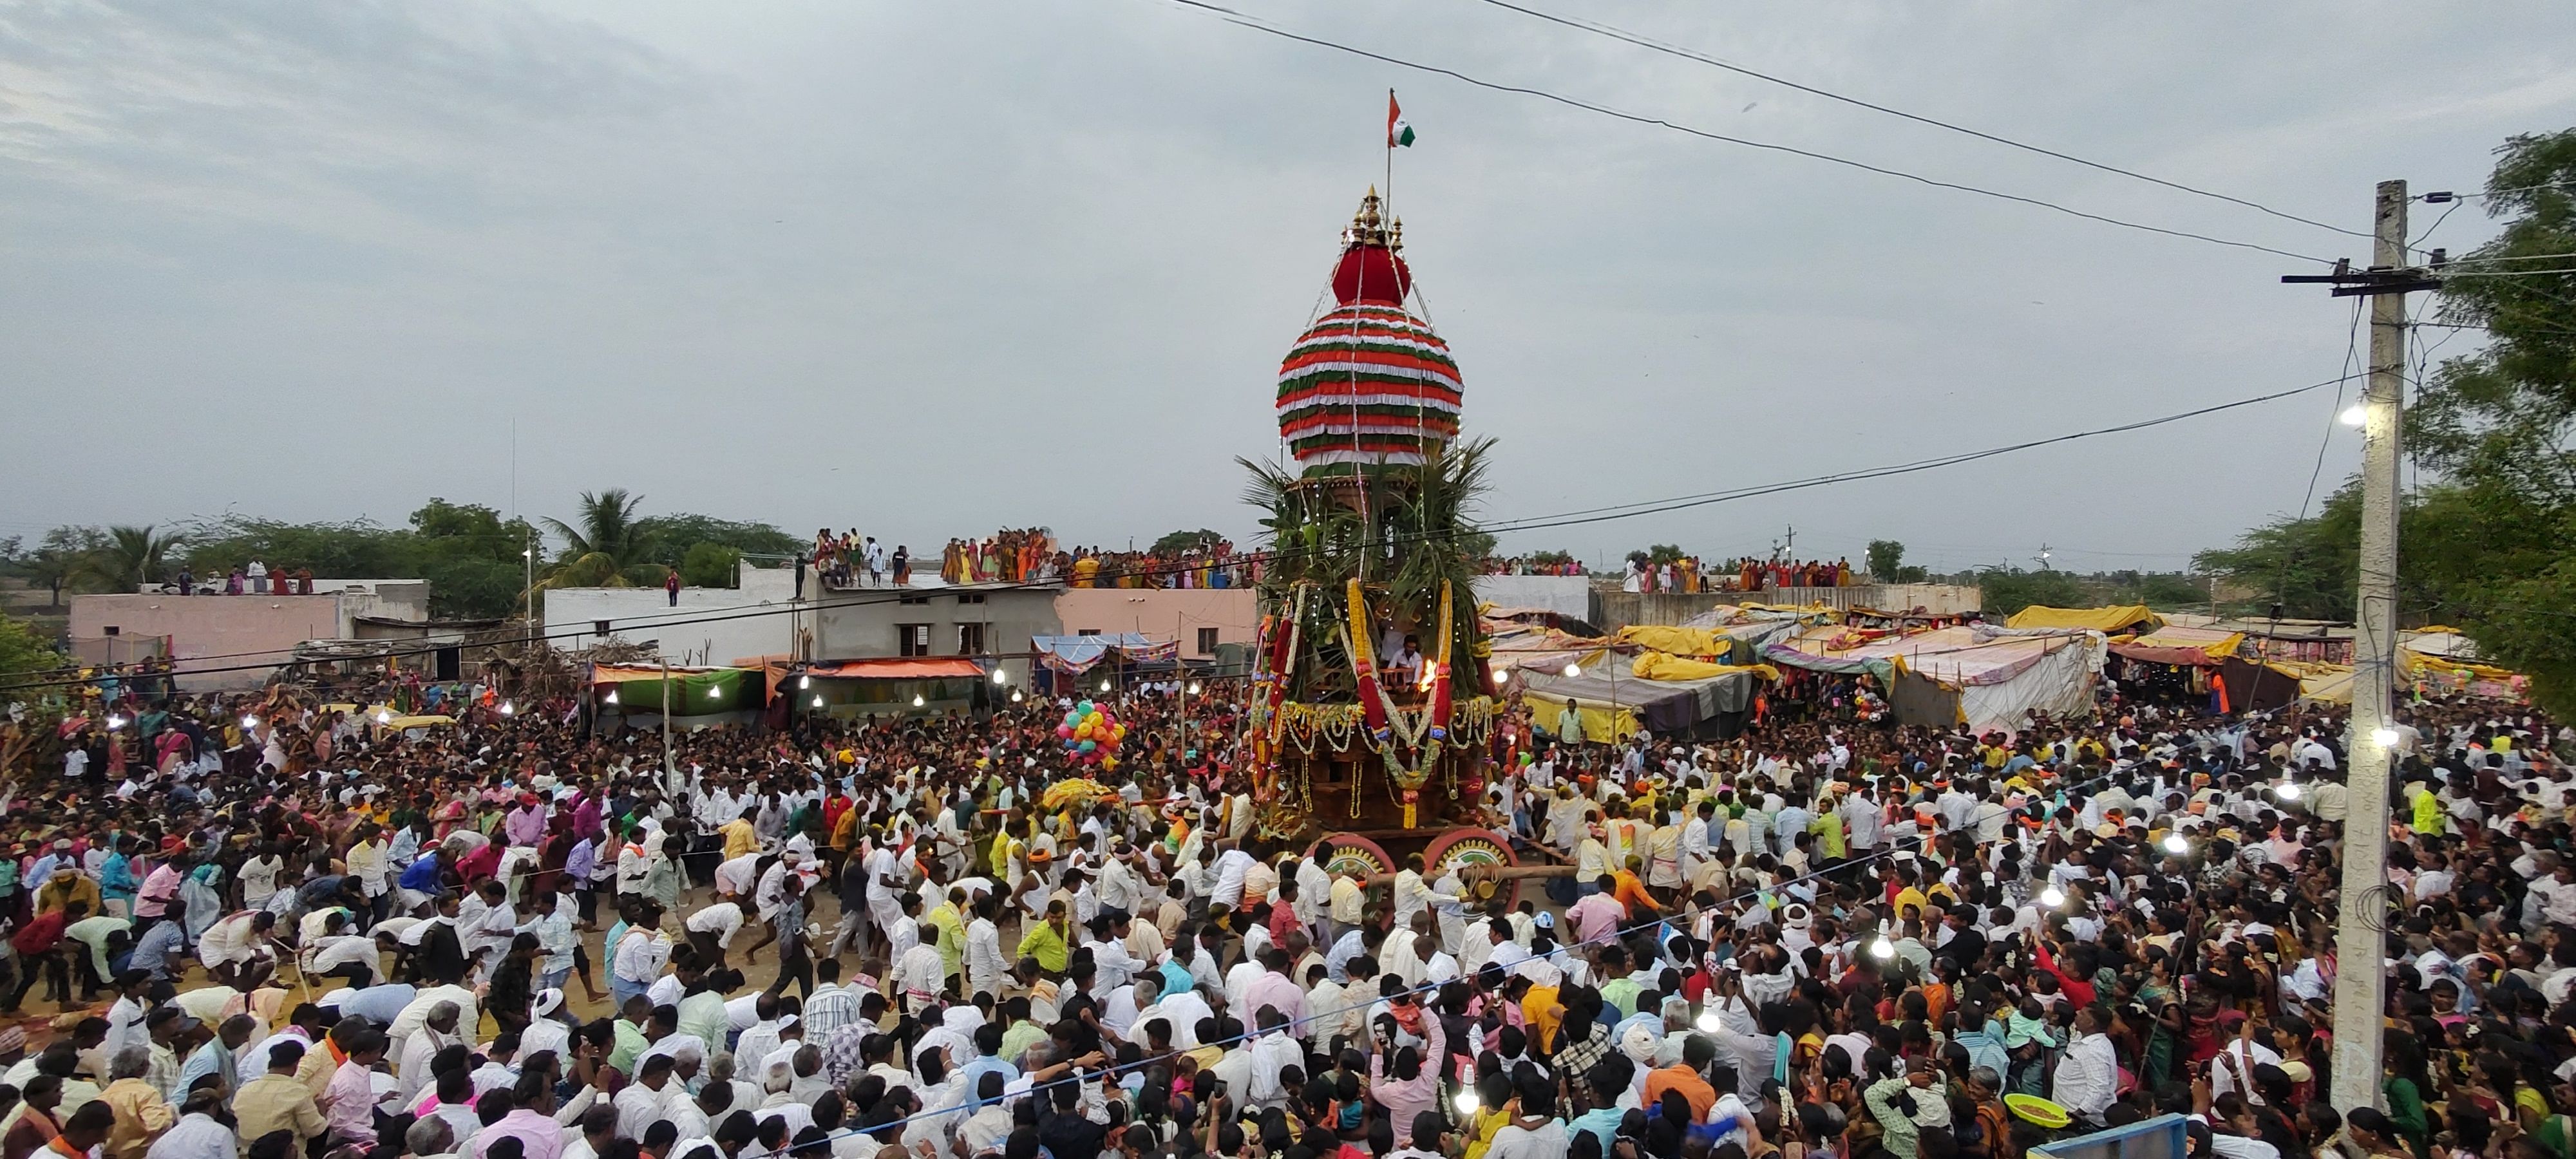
739	838
141	1116
1045	944
276	1102
1347	899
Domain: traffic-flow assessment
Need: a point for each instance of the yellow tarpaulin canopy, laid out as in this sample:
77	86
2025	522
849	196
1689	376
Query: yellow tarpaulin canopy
1602	721
1678	641
1658	666
2112	619
2445	650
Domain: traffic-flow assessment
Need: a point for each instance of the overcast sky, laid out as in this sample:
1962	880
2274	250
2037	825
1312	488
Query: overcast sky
929	269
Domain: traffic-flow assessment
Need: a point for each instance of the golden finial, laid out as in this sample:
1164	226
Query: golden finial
1364	225
1395	235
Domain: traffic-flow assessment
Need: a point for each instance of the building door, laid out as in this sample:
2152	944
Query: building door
449	663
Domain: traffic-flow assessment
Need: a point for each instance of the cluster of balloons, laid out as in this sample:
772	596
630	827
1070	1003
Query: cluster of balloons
1092	735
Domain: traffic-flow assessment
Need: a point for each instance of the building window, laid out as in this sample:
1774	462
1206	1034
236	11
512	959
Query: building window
1086	631
599	627
110	630
1207	642
912	599
970	639
970	597
912	639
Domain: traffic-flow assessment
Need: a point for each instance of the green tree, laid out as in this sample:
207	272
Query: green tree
60	559
610	548
133	557
1177	542
1886	561
667	539
2166	589
22	651
2498	425
710	565
2004	591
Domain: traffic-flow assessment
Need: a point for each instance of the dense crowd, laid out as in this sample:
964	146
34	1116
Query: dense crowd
267	928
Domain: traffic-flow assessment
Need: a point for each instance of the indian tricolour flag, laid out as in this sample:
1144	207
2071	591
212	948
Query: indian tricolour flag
1397	132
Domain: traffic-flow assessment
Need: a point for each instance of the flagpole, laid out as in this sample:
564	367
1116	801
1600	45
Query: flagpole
1390	162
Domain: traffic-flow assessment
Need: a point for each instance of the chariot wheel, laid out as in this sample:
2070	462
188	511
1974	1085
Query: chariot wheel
1464	848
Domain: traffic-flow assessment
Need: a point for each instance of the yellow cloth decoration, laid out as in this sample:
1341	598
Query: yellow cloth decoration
1658	666
1678	641
2112	619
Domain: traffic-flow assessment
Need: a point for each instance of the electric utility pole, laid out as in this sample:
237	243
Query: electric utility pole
2361	982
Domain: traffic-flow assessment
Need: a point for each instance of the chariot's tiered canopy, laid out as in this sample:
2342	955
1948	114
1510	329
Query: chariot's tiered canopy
1369	383
1352	730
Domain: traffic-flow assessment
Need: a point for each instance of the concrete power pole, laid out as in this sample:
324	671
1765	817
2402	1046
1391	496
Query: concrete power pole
2361	984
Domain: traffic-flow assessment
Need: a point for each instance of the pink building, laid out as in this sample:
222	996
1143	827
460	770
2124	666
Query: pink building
1199	618
248	634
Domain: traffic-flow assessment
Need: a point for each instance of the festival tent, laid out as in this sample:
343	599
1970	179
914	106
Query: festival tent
697	696
2108	621
2440	660
2176	644
883	686
1075	655
1994	678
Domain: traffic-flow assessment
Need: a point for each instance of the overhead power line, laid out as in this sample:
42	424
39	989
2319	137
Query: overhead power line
1599	29
1231	16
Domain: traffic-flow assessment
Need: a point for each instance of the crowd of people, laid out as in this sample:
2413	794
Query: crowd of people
251	579
852	560
511	939
1642	572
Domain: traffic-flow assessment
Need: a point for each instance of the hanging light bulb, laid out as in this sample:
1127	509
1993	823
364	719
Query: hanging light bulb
2287	790
384	716
917	701
612	697
250	721
1104	686
818	701
804	682
1194	688
508	708
2174	844
1015	696
1466	1102
1001	677
714	692
2052	897
115	722
1573	670
1882	949
2384	736
2354	415
1709	1023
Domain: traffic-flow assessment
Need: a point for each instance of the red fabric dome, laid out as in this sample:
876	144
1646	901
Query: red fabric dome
1371	275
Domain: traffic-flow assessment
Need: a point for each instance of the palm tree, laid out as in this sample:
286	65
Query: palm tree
133	557
608	545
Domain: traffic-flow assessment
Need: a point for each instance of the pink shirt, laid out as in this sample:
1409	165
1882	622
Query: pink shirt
1594	915
539	1134
349	1103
